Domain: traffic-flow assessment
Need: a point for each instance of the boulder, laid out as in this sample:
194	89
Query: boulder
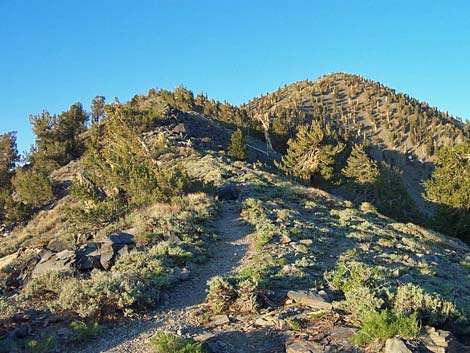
218	320
396	345
89	256
228	192
297	345
309	298
61	261
114	245
57	245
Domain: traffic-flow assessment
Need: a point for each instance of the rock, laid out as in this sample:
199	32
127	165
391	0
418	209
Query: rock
307	242
342	333
61	261
57	245
107	256
120	238
396	345
114	245
263	322
302	346
300	248
228	192
440	341
64	331
406	278
218	320
89	257
309	298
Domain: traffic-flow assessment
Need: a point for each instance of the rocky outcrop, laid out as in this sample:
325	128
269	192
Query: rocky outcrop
228	192
95	255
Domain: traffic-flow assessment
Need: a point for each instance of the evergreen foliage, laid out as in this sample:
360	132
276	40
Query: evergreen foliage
58	137
8	158
360	168
32	187
311	155
237	147
121	173
449	186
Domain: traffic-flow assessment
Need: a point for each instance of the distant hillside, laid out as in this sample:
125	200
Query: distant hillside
364	109
402	131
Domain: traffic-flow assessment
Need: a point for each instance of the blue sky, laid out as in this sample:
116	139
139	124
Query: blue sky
54	53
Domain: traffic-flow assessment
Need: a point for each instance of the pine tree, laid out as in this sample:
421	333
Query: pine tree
360	168
311	154
237	148
449	186
97	109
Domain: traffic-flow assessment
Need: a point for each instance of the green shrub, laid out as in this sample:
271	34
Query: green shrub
104	294
46	286
82	331
7	309
384	325
163	342
359	301
432	309
33	187
42	344
353	274
221	294
237	147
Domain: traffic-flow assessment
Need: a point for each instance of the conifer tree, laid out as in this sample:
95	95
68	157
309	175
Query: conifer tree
312	153
237	147
360	168
449	186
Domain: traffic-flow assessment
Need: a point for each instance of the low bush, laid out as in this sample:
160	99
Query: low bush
83	331
431	309
386	324
163	342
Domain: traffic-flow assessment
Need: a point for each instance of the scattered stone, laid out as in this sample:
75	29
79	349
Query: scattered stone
300	248
296	345
396	345
218	320
309	298
228	192
57	245
263	322
307	242
342	333
64	331
440	341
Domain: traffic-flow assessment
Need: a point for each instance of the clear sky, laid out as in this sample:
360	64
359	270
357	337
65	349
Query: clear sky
57	52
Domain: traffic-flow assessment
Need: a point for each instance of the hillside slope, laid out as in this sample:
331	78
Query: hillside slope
354	261
402	131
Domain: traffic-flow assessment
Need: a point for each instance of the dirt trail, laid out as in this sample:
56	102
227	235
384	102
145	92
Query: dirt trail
228	255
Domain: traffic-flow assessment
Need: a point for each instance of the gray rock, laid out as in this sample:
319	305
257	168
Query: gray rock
396	345
218	320
57	245
309	298
228	192
107	256
62	261
89	257
302	346
120	238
